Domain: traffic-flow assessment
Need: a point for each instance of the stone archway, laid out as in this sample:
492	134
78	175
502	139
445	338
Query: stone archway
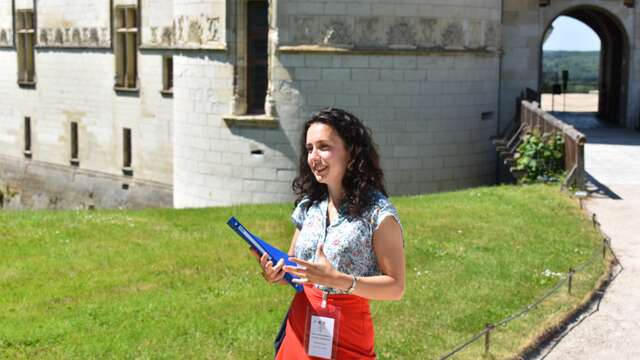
614	63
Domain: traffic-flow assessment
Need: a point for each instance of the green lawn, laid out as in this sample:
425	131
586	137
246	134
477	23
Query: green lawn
180	284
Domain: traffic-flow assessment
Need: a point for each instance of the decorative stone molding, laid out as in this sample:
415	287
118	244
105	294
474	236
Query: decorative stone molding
195	31
96	37
186	33
402	35
382	32
252	121
160	36
338	33
453	36
301	49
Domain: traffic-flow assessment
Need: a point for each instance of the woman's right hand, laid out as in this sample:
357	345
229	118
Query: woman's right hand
270	273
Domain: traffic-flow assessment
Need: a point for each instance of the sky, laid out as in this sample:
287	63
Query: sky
571	34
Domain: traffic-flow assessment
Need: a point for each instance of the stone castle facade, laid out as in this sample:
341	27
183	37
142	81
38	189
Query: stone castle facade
190	103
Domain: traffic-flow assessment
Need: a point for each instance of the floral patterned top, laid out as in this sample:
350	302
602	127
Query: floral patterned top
348	241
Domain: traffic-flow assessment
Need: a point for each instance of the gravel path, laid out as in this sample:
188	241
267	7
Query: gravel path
612	331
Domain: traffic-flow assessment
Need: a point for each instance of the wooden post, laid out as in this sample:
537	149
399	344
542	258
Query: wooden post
580	176
487	337
571	272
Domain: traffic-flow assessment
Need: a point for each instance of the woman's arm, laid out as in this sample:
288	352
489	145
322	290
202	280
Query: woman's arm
389	251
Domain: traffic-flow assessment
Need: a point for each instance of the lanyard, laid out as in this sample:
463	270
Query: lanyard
325	293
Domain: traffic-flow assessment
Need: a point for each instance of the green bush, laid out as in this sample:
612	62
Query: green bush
540	157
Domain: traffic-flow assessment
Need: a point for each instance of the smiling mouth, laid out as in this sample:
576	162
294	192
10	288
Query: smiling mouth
319	169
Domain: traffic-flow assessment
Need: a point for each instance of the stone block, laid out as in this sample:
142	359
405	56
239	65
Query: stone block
308	74
391	75
365	74
336	74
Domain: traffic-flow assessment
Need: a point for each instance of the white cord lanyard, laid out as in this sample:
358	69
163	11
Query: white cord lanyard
325	293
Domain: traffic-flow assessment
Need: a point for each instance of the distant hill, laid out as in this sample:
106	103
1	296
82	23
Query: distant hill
582	65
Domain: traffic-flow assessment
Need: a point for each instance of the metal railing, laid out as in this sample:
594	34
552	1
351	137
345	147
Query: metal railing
599	253
533	117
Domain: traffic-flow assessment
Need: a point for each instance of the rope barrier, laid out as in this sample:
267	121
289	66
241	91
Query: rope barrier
567	279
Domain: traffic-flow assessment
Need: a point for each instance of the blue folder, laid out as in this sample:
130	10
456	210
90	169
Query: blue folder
262	247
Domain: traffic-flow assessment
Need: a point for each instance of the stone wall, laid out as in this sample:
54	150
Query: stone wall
426	112
426	76
524	24
6	24
422	75
40	185
426	82
76	24
75	83
402	24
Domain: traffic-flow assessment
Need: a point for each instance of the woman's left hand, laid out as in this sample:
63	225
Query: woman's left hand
319	272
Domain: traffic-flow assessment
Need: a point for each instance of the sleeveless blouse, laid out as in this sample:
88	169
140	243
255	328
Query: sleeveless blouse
348	241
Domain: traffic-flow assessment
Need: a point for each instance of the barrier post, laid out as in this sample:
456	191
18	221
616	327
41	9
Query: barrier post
571	272
487	336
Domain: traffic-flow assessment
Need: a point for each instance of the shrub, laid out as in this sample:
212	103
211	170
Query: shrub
540	157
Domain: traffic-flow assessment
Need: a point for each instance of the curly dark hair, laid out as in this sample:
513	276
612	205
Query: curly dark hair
363	174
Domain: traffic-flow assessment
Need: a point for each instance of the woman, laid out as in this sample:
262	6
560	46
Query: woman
347	245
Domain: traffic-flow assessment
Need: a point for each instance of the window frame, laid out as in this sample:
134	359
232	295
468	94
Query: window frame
252	61
74	158
126	44
127	151
25	46
28	137
167	75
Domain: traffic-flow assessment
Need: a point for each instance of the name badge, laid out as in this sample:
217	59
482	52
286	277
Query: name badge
321	332
321	337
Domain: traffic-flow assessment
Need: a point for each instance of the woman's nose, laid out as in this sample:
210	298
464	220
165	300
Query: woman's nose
313	154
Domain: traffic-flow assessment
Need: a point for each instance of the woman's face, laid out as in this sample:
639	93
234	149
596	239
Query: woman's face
327	154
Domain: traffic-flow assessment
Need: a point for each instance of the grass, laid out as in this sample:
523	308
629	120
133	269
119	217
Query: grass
179	284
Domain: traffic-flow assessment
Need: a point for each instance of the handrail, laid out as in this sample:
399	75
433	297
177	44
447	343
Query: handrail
533	117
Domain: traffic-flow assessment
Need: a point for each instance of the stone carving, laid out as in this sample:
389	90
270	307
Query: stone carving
401	34
154	34
195	30
6	37
475	34
380	32
44	36
75	36
429	32
338	33
453	36
93	36
167	35
368	32
160	36
304	29
491	35
59	39
82	37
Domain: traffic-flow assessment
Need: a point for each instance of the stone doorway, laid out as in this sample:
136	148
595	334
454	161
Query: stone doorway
614	54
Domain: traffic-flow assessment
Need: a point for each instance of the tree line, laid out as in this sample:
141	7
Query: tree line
583	67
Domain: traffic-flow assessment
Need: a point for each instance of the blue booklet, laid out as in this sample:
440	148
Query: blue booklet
262	247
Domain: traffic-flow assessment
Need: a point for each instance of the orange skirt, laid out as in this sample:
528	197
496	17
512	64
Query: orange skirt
355	332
